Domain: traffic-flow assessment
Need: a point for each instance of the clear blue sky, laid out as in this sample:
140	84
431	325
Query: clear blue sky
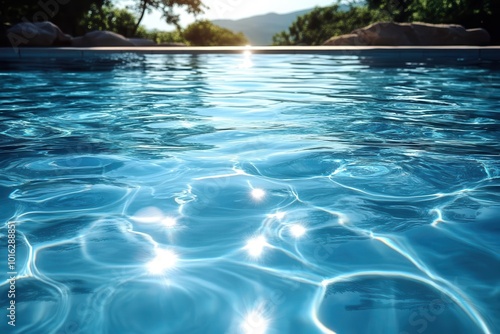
236	9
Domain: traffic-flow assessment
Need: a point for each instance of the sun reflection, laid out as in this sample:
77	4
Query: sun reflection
248	50
297	230
169	222
149	215
255	322
255	246
247	60
165	259
153	215
258	194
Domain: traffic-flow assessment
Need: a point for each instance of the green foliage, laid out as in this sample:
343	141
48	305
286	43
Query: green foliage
160	37
167	9
319	25
77	17
469	13
67	14
205	33
109	18
445	11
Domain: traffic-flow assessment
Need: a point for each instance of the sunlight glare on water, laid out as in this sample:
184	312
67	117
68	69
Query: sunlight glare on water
164	260
297	230
255	323
258	194
255	246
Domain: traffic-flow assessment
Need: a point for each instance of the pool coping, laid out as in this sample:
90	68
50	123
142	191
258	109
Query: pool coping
401	53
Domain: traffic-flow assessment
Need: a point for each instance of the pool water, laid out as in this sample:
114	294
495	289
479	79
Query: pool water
250	194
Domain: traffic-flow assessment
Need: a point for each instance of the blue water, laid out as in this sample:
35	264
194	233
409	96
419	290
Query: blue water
250	194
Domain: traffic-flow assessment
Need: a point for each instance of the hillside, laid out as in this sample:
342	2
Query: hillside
260	29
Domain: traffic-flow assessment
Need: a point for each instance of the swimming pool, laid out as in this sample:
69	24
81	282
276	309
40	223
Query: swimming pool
250	194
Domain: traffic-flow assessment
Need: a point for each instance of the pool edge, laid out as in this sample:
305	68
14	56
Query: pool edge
400	53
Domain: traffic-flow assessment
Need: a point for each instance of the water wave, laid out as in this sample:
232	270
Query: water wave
251	194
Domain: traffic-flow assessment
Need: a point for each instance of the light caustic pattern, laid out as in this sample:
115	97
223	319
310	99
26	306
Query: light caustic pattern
251	194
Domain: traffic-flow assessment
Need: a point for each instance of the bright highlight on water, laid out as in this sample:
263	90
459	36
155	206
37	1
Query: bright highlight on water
251	193
164	260
255	246
297	230
258	194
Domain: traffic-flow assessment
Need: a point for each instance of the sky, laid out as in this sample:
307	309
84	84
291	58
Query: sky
234	9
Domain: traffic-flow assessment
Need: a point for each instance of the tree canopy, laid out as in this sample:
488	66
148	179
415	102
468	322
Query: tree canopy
469	13
319	25
168	9
110	18
316	27
77	17
205	33
80	17
66	14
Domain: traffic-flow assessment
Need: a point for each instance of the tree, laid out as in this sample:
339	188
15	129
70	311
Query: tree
65	14
469	13
320	24
167	8
160	37
205	33
110	18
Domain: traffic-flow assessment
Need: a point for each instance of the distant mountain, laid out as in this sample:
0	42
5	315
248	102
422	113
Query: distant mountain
260	29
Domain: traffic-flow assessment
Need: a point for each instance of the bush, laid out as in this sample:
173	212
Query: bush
109	18
319	25
160	37
205	33
469	13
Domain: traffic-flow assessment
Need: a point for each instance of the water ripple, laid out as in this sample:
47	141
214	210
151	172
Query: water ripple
251	194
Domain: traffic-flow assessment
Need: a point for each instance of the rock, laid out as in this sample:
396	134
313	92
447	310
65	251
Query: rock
142	42
37	34
417	34
349	39
386	33
100	38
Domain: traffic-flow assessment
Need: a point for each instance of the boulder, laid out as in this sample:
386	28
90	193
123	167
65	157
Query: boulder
142	42
37	34
348	39
100	38
417	34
